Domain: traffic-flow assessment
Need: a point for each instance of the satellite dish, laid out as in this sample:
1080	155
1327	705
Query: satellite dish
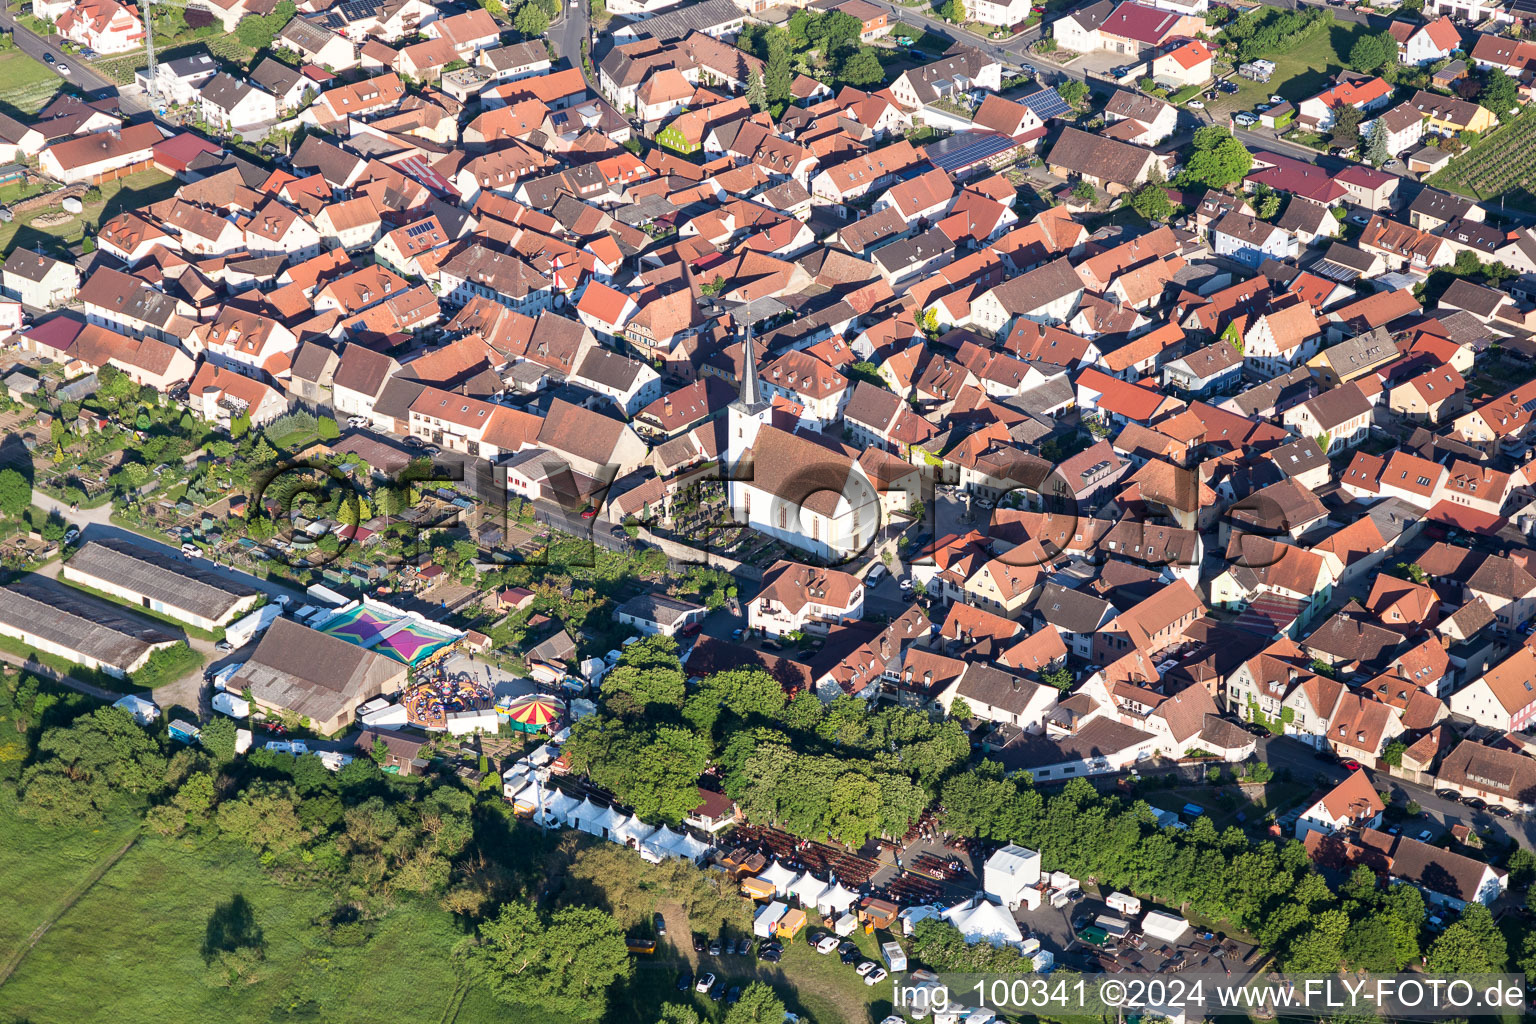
73	205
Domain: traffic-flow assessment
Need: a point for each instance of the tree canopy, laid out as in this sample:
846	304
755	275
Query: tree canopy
1218	159
562	963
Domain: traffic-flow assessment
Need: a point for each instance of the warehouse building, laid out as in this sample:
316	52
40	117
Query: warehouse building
302	671
160	582
53	619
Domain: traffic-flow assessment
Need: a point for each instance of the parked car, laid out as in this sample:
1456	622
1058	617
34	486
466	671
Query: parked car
714	950
1245	118
48	59
733	996
1425	836
223	646
717	991
1500	811
71	534
1351	765
1277	99
684	981
1476	803
706	981
1196	104
63	69
661	925
875	977
865	967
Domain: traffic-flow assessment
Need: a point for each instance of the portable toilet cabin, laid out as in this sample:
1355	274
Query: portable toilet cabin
768	919
791	924
1125	903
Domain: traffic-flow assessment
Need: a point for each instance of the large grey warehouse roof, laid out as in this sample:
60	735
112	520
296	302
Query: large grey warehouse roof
312	673
160	577
75	621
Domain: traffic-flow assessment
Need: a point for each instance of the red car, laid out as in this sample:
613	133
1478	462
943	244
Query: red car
589	513
1351	765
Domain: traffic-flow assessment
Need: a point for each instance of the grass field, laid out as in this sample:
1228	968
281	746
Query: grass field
138	934
1501	165
133	192
1299	74
26	84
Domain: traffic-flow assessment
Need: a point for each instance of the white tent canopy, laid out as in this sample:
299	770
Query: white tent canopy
559	808
836	900
588	817
609	820
778	876
658	845
981	920
633	830
807	889
690	848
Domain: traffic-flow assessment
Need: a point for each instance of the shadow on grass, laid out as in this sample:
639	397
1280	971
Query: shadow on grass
232	926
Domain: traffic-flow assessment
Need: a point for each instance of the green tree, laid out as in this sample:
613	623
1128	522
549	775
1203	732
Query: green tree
263	454
758	1005
1346	125
1500	94
1218	159
256	32
81	768
562	964
531	20
1471	944
326	427
218	738
778	79
1059	677
1371	52
1151	201
1376	152
1073	92
960	710
862	67
15	493
652	768
240	424
954	11
1393	755
757	96
1269	206
1085	191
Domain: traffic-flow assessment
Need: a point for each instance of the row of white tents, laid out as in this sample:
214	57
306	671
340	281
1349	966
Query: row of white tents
552	808
829	898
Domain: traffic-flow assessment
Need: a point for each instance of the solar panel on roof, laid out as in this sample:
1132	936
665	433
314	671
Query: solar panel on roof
1528	406
1046	103
966	148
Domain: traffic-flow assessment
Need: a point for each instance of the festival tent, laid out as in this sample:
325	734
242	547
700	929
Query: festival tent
778	876
523	794
609	821
589	817
836	900
658	846
980	920
632	831
532	713
807	889
690	848
559	808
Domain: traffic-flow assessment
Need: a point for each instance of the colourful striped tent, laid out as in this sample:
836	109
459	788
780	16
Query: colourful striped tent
533	712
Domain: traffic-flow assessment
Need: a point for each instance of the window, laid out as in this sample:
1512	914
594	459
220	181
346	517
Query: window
783	518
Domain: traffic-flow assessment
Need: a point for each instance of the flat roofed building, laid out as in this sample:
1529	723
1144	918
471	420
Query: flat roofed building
55	619
162	583
320	677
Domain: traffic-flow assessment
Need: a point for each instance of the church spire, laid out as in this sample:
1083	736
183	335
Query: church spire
751	394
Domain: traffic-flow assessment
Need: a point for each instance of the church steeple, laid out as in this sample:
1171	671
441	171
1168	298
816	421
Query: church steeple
750	394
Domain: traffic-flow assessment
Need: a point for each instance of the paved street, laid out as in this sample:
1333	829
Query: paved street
34	45
1440	813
